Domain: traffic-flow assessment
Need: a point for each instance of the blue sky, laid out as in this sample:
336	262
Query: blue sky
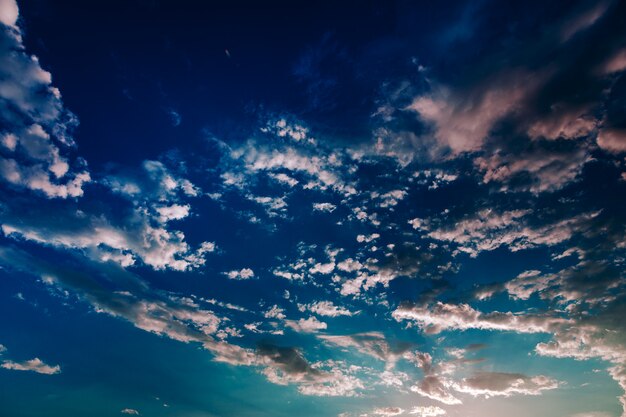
277	209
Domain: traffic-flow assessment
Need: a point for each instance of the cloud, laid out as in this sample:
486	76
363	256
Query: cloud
438	386
183	319
349	265
285	365
324	207
580	336
462	119
433	387
153	181
33	365
326	309
173	212
324	269
515	139
149	202
310	325
112	290
491	384
489	229
9	13
571	284
528	112
245	273
175	117
390	198
290	360
367	238
612	140
582	21
156	246
130	411
372	344
284	179
535	169
434	384
442	316
388	411
284	129
321	168
434	178
431	411
274	206
615	63
275	312
36	126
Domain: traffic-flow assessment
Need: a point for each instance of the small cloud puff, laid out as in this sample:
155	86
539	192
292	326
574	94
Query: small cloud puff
244	273
33	365
324	207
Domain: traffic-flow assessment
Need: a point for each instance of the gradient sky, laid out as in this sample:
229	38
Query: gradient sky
346	209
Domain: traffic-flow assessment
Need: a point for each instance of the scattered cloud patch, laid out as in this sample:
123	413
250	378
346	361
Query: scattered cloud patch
33	365
244	273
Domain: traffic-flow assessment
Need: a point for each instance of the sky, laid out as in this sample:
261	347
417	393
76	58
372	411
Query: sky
344	209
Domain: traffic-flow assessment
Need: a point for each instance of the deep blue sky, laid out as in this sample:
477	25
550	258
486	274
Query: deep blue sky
320	209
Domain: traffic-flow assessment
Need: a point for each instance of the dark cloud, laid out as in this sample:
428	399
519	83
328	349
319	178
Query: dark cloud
288	359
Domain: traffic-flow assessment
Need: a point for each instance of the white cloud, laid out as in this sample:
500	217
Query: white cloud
173	212
462	120
615	63
284	129
390	198
36	125
274	206
372	344
548	170
275	312
390	378
286	365
324	269
157	247
151	197
442	316
310	325
489	229
388	411
490	384
434	178
430	411
322	168
583	337
33	365
325	207
437	389
349	265
327	309
612	140
130	411
244	273
434	385
9	12
284	179
367	238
